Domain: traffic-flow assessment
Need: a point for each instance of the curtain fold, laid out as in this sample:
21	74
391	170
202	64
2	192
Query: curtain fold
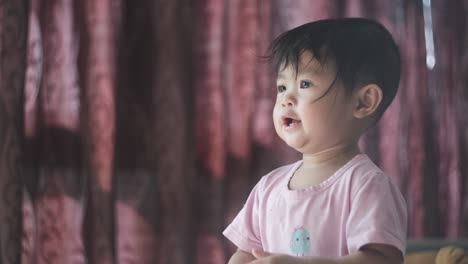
53	142
99	28
13	46
171	151
137	201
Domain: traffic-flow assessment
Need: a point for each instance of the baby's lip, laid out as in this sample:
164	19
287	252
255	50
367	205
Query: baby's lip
289	119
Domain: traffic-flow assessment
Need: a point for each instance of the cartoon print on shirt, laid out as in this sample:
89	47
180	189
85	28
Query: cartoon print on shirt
300	241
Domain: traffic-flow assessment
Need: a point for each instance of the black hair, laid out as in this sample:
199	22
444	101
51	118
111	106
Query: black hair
362	50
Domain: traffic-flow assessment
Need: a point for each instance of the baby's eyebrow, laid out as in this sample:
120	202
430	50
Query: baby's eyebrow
303	72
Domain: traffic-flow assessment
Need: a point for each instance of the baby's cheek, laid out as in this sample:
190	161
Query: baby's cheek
277	126
275	115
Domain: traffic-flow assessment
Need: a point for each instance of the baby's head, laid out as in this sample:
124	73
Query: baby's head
334	73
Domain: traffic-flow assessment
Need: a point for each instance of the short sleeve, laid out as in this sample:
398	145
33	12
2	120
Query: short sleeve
244	230
378	215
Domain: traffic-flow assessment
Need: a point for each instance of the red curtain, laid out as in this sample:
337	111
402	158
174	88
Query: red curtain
133	131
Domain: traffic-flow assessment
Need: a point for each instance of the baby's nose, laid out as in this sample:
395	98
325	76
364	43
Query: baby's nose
288	101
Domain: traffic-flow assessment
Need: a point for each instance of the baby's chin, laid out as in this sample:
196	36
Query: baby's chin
304	146
297	144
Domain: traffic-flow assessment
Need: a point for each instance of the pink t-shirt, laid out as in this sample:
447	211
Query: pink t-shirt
356	206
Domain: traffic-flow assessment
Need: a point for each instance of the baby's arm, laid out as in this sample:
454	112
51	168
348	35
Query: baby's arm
370	254
241	257
375	254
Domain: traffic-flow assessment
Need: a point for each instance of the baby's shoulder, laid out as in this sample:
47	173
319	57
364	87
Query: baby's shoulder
364	167
366	174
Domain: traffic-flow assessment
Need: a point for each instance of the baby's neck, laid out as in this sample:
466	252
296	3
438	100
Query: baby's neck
334	156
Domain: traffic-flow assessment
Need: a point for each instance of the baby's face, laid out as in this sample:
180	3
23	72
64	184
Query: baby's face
309	115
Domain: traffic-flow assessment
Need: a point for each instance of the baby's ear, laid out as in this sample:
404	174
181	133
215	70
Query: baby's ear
367	100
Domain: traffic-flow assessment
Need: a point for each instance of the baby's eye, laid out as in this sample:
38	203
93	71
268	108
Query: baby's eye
281	88
305	84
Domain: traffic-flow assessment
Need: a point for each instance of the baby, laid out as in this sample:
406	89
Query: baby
335	79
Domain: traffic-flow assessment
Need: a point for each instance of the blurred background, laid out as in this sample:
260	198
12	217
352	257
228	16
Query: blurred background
133	131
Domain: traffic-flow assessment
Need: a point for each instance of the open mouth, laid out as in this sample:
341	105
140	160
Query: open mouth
287	121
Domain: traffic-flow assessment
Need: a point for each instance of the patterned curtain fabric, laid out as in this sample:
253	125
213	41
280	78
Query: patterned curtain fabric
13	43
133	131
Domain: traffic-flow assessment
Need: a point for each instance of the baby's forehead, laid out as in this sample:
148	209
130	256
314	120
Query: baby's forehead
308	63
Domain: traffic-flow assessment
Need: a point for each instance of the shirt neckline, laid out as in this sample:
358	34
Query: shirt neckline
299	193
